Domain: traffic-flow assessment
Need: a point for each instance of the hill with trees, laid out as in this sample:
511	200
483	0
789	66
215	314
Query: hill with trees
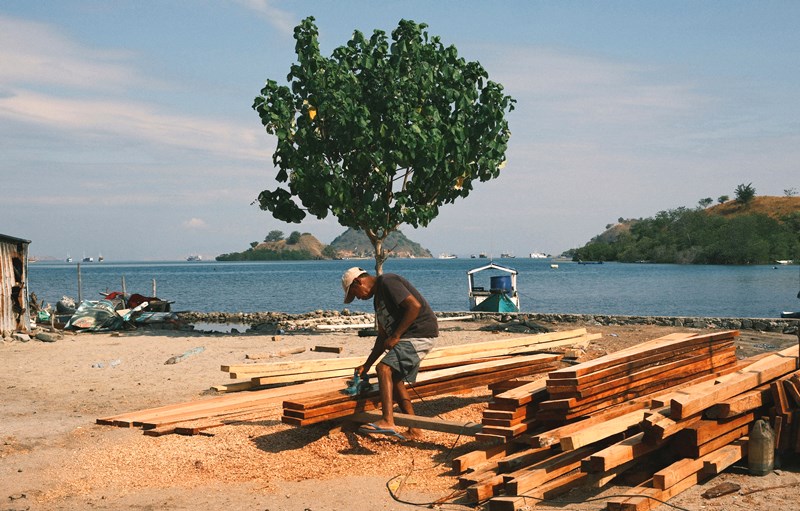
275	248
355	243
297	247
746	230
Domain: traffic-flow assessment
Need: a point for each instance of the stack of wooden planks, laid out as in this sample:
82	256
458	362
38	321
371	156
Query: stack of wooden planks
615	378
198	417
439	357
682	431
446	370
312	380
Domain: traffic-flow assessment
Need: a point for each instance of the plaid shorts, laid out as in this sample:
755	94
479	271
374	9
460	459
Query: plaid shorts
406	355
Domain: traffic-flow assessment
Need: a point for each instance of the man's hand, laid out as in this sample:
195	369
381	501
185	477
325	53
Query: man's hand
391	342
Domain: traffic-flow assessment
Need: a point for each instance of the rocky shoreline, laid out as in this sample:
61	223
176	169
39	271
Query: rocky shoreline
263	320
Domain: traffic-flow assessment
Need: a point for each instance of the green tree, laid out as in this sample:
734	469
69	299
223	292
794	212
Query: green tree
330	252
253	244
381	133
722	199
293	238
744	193
275	235
704	203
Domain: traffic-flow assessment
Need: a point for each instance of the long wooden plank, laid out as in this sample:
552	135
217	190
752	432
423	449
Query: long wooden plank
548	490
602	431
706	430
700	363
741	403
712	445
766	369
370	403
523	394
471	459
524	480
574	407
643	361
468	428
554	435
540	341
661	345
439	375
127	419
618	453
653	497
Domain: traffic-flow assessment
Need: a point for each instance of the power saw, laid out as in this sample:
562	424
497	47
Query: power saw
357	385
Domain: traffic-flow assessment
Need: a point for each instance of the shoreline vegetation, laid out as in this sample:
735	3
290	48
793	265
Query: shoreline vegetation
762	230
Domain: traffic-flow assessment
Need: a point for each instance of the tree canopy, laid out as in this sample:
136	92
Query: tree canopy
381	133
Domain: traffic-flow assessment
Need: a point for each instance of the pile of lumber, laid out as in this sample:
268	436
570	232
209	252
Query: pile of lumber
439	357
643	369
303	382
201	416
447	370
675	433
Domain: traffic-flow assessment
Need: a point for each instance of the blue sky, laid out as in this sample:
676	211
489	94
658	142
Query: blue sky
126	127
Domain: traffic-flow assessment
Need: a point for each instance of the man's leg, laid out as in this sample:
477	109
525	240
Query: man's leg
386	387
403	399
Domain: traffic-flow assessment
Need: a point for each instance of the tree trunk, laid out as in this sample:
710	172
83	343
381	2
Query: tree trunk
380	256
377	244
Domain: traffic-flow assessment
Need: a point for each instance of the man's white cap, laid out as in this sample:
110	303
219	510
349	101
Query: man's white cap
347	279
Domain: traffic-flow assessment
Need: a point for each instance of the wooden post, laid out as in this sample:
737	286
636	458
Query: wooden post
80	285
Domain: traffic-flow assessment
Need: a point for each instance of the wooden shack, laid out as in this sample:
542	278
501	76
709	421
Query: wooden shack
14	312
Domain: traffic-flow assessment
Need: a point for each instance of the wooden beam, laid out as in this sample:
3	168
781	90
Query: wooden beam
468	428
692	401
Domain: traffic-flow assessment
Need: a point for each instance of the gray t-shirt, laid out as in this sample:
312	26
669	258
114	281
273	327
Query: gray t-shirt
390	291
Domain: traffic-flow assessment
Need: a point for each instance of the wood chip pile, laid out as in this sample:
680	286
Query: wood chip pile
678	409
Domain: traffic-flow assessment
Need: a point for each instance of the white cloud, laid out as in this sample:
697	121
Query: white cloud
278	18
36	54
121	118
195	223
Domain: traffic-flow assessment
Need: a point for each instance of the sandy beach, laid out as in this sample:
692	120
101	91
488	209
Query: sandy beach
54	456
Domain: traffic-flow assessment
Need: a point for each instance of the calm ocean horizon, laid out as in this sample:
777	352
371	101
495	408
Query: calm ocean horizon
297	287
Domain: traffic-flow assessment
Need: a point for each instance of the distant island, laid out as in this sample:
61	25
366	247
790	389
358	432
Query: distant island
760	230
352	243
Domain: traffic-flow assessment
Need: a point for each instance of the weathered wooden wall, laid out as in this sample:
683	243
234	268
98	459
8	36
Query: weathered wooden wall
14	312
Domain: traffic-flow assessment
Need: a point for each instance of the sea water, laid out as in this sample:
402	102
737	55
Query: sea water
303	286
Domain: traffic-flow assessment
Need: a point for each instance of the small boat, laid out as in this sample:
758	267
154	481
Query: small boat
785	261
195	257
88	259
554	266
68	259
507	255
502	295
447	256
100	258
538	255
